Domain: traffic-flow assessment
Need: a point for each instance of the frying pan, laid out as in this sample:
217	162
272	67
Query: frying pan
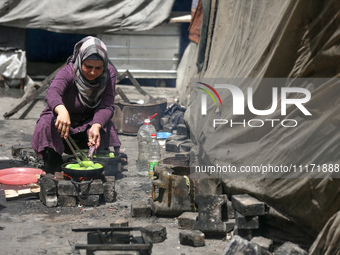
82	173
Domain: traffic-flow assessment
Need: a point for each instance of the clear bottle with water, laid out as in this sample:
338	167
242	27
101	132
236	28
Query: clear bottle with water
144	139
154	154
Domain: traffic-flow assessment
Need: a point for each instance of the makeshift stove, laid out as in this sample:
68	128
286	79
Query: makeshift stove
63	190
126	239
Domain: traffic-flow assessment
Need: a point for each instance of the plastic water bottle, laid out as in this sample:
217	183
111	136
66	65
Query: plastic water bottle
154	154
144	139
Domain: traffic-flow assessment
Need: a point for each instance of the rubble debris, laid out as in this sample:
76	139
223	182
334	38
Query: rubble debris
238	245
248	206
193	238
187	220
289	248
156	233
210	214
263	242
140	209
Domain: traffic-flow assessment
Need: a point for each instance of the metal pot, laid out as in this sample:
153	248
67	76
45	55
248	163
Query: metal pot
111	165
82	173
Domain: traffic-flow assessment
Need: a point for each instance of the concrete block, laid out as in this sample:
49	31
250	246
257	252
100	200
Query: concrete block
230	225
186	146
120	223
238	245
110	178
93	188
193	238
168	128
140	209
173	145
47	185
109	191
187	220
67	201
265	243
246	222
247	205
176	138
244	233
48	200
289	248
156	233
182	130
89	200
67	188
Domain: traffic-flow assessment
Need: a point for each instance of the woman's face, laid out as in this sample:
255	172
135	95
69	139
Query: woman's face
92	69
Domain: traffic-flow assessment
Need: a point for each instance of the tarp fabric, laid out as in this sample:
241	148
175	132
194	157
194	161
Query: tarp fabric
277	38
85	16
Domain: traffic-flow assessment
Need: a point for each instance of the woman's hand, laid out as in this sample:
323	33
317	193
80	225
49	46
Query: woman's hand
63	121
94	135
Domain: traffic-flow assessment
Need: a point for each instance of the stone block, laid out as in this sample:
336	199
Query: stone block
156	233
48	200
244	233
265	243
177	138
173	146
110	178
164	121
187	220
67	201
246	222
230	225
67	188
89	200
289	248
247	205
141	209
109	191
168	128
182	130
93	188
193	238
47	185
120	223
238	245
186	146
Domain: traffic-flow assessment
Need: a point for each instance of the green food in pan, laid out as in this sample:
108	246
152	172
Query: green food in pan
88	165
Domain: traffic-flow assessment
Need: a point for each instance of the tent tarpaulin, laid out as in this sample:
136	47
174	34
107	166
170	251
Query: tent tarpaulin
266	39
86	16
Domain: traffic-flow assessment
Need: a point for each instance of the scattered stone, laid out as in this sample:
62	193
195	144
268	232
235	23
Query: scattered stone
173	145
238	245
263	242
156	233
249	222
247	205
230	225
193	238
120	223
187	220
140	209
289	248
109	191
182	130
186	146
67	201
89	200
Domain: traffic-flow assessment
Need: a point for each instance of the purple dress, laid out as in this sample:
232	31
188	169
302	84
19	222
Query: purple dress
64	91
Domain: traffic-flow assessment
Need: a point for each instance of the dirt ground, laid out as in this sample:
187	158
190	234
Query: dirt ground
27	226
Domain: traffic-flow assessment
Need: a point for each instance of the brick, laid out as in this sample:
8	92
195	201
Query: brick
265	243
239	245
67	188
247	205
289	248
156	233
120	223
89	200
187	220
67	201
182	130
140	209
173	146
193	238
246	222
109	191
